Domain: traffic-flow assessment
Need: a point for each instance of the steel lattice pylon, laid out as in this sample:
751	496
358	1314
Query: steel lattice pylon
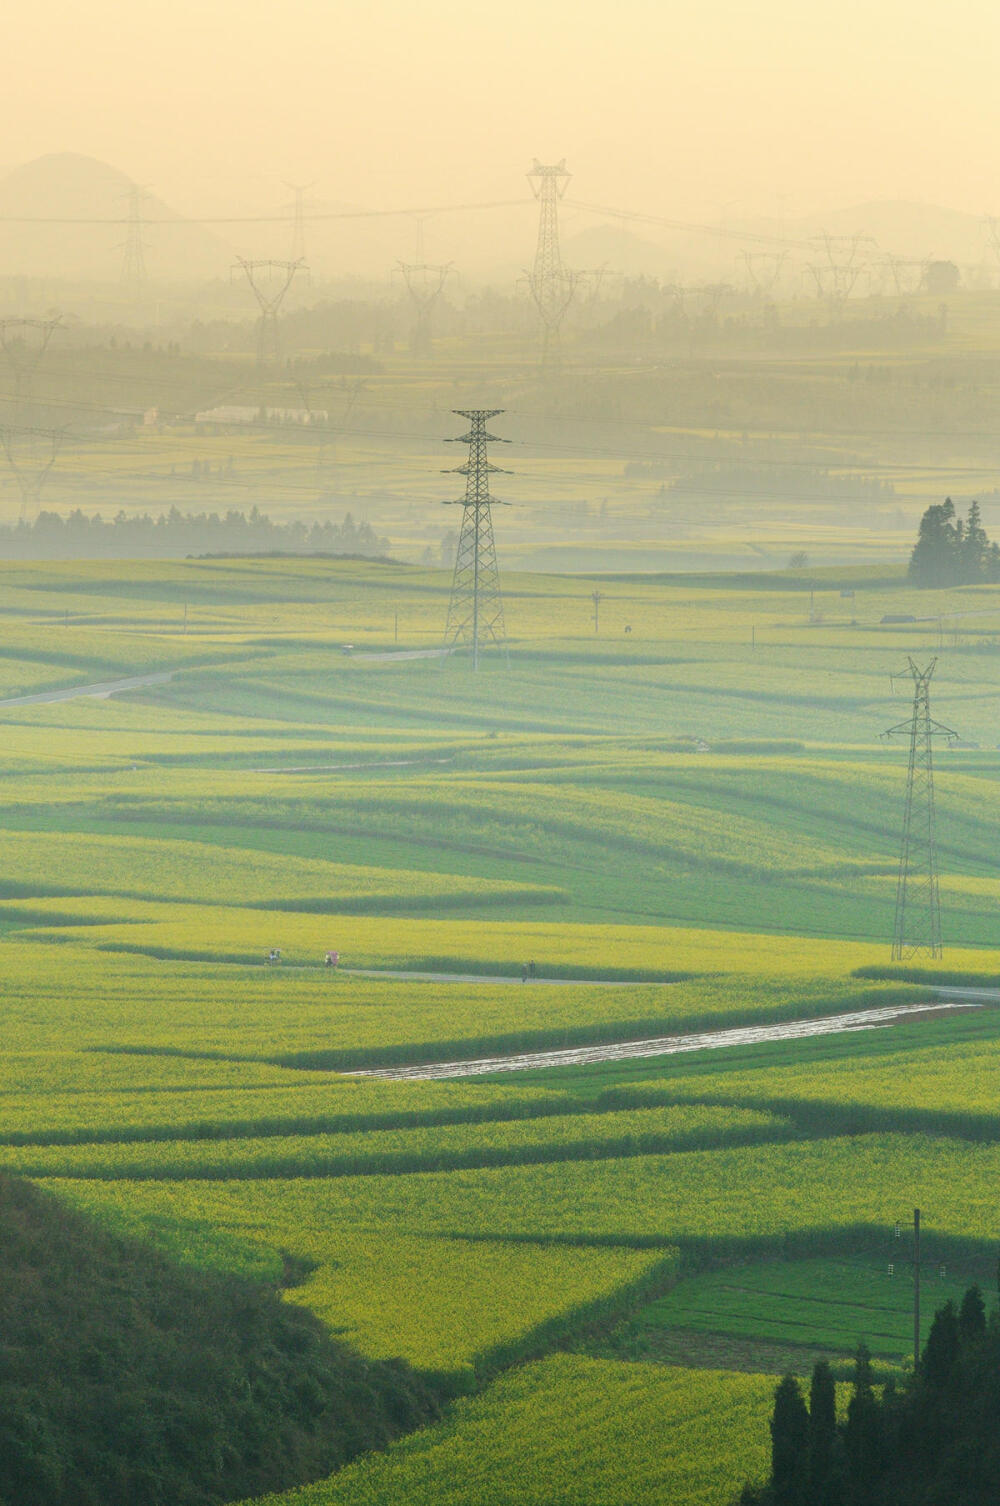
918	908
475	611
270	281
552	285
133	273
425	284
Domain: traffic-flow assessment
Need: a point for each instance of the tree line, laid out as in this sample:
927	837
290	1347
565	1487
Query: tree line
52	535
952	551
932	1439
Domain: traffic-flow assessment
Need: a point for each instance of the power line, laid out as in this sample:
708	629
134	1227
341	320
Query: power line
262	219
719	230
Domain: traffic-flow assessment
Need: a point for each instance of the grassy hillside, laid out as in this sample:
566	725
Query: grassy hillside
125	1377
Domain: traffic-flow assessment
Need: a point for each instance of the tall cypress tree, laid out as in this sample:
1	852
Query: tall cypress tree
972	1317
789	1445
822	1434
863	1434
937	1363
974	548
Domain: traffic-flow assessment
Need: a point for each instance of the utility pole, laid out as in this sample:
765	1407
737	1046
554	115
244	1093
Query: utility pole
133	273
425	284
918	909
475	611
596	599
916	1288
552	285
270	281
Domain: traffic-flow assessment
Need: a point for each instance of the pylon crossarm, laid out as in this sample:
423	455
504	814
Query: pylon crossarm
932	729
475	468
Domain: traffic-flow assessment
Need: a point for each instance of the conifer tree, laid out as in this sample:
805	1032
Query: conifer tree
789	1444
822	1433
937	1362
972	1317
863	1432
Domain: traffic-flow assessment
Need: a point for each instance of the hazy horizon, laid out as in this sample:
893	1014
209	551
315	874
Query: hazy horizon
707	115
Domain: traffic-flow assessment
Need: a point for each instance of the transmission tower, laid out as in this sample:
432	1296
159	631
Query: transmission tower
270	281
552	285
836	277
24	343
133	273
425	284
475	611
992	224
31	463
907	276
763	270
298	208
918	910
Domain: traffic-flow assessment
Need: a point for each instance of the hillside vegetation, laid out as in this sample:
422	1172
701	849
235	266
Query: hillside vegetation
125	1378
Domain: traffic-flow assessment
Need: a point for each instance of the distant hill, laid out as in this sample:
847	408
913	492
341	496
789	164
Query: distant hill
905	229
620	251
65	186
898	228
127	1379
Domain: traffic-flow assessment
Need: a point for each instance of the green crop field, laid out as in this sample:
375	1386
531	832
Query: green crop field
690	828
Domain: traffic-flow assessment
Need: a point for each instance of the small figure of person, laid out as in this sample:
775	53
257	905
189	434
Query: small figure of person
531	970
524	972
331	959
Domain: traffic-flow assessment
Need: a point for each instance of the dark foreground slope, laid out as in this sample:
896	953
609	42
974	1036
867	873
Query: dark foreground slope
126	1379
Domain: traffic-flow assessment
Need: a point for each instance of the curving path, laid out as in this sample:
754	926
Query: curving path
99	692
670	1045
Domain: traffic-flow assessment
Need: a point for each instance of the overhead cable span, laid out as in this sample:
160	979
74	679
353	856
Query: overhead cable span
264	219
657	219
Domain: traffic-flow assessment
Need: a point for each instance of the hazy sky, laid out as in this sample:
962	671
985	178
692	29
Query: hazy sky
689	110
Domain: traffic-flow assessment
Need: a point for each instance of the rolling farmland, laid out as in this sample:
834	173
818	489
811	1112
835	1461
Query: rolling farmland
690	833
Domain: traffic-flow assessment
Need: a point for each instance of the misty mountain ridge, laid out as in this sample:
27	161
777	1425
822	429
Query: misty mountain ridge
71	187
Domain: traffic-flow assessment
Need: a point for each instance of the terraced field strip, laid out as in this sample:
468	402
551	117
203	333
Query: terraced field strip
670	1045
